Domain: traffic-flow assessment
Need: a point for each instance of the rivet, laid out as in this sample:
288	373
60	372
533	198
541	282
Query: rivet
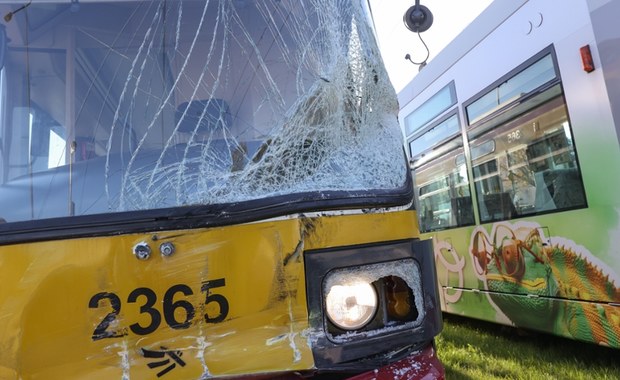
166	249
142	251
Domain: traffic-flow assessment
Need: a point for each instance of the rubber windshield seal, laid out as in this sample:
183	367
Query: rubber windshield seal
201	216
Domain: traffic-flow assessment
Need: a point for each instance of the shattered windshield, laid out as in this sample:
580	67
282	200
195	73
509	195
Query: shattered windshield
110	106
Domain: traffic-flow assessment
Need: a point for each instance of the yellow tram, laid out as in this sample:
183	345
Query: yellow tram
205	189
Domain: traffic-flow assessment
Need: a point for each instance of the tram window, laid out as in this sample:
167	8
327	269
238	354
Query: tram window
434	136
486	170
433	107
525	81
444	198
534	167
37	145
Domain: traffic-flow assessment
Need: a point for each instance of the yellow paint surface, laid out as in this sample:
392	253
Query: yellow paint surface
54	295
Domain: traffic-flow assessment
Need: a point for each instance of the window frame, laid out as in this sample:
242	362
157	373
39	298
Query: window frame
431	126
422	127
502	115
549	50
546	100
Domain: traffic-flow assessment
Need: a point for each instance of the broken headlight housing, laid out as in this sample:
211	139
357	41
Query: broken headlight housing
372	297
370	305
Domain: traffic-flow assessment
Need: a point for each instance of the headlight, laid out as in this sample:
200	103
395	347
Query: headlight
371	297
370	304
350	302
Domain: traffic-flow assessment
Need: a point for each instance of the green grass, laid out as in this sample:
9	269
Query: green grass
472	349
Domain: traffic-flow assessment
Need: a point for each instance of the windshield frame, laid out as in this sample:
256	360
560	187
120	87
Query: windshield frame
332	139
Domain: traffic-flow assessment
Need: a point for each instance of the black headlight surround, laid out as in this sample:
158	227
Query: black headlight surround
373	345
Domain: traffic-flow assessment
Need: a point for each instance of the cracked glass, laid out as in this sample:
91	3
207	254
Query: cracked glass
111	106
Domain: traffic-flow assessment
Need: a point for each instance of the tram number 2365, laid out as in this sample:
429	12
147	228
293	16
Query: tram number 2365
146	298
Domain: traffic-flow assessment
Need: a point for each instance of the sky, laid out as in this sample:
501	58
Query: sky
450	17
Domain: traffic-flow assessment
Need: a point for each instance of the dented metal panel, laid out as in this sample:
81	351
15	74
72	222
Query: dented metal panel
229	301
90	307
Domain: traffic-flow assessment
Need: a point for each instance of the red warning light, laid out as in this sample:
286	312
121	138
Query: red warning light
586	59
